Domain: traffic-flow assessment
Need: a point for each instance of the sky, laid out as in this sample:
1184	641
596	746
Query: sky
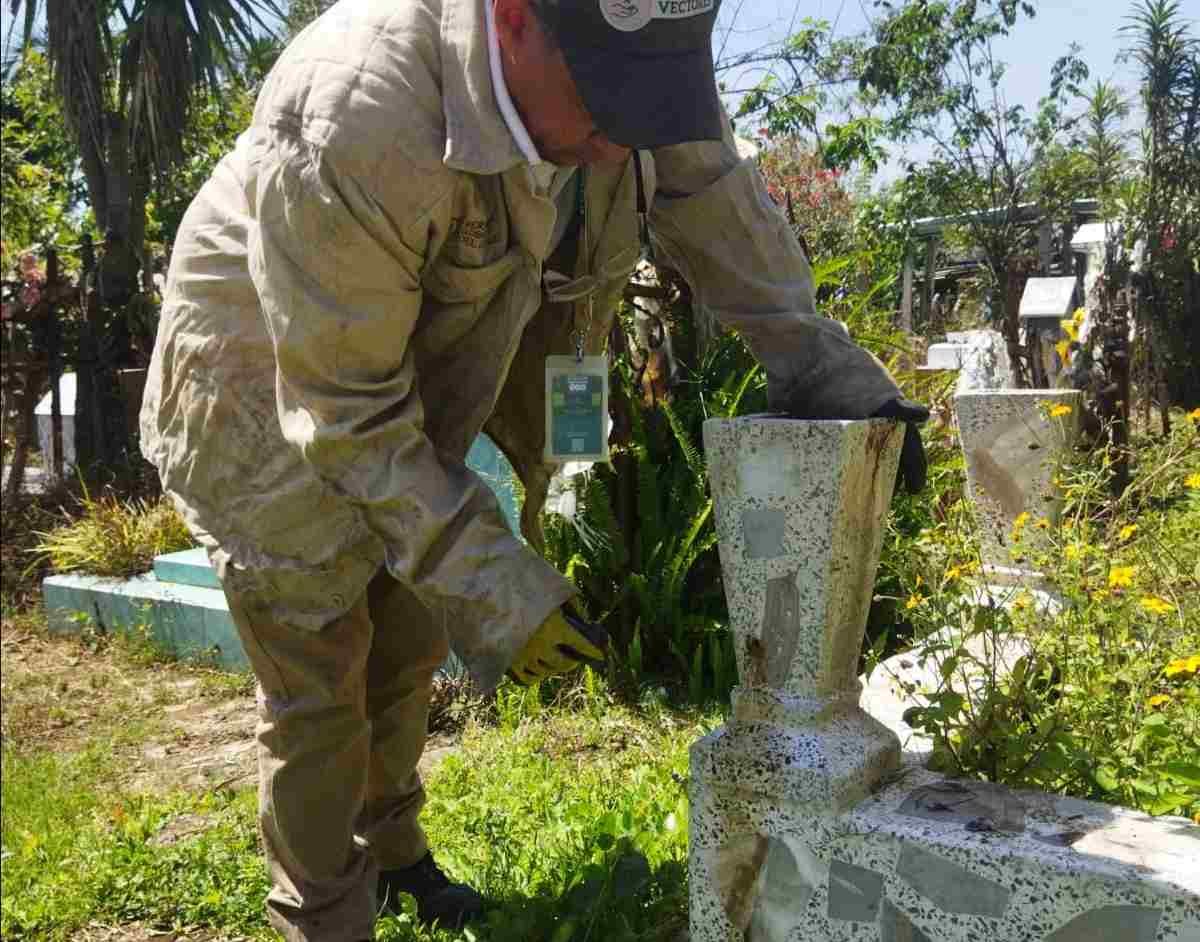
1030	51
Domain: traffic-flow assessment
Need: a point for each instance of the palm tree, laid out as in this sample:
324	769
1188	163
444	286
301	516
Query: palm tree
127	73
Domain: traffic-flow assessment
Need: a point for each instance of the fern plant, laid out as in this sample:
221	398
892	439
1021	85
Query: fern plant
641	546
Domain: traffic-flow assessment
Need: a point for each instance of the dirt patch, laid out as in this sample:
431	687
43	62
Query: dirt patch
177	726
60	694
137	932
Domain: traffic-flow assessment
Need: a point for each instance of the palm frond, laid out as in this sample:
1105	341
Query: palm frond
176	49
691	454
80	63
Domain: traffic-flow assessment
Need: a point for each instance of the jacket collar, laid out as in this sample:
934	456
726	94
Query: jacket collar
477	139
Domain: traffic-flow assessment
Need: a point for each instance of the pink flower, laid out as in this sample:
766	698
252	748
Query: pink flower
31	294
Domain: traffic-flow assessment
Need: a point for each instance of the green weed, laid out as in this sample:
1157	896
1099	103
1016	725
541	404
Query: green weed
113	537
1102	700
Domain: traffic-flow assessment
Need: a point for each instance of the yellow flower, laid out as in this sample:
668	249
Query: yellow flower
1121	576
1070	328
1183	665
1022	519
1194	415
1127	531
913	601
1060	410
954	572
1159	606
1064	351
1158	700
1078	317
1072	550
1021	602
1193	480
1044	523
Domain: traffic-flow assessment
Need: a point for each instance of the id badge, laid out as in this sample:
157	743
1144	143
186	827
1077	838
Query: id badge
576	409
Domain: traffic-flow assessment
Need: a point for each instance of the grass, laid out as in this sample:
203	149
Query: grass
114	537
570	815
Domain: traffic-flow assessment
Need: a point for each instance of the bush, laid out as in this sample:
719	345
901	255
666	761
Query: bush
1096	696
114	537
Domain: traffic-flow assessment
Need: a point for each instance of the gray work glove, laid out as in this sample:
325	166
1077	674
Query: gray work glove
913	463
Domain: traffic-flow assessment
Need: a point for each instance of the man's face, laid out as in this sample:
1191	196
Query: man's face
543	91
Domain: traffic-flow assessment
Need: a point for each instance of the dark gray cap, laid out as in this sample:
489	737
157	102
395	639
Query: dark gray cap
643	67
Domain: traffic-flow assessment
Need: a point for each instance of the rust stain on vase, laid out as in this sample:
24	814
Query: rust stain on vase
737	870
878	437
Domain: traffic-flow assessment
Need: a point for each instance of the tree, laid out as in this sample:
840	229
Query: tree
933	72
37	164
926	70
1163	202
127	74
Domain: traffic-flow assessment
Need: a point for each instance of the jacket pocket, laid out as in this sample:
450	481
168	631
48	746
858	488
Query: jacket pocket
453	283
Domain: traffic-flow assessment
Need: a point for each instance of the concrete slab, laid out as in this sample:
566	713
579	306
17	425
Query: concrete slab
188	567
1118	874
187	620
945	356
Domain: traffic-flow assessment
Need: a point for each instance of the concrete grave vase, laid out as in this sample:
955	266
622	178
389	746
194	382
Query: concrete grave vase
799	831
799	509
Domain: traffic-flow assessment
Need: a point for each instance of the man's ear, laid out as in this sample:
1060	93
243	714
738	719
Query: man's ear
513	21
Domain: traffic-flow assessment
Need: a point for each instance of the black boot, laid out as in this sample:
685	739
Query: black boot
451	905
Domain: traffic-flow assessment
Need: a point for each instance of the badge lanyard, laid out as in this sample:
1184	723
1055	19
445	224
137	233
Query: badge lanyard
577	386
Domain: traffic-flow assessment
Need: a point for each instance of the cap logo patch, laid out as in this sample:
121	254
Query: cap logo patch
631	15
627	15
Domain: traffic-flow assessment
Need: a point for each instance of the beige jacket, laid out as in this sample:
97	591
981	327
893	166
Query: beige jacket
346	294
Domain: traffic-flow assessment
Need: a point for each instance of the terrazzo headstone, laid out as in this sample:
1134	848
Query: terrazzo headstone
803	829
1013	441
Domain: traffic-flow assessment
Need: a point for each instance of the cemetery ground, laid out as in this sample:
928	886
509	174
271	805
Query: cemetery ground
129	802
128	778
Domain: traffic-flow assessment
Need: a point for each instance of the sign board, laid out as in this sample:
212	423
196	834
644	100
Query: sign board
1091	233
1048	297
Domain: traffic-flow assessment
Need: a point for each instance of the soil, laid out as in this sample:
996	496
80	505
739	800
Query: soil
178	726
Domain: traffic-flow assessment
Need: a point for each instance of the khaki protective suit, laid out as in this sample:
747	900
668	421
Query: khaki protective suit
345	298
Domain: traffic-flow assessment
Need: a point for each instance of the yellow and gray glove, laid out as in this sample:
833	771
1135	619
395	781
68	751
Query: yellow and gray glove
561	643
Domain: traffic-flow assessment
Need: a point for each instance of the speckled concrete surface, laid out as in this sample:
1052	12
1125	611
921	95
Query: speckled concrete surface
803	828
1012	445
799	508
940	860
795	506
